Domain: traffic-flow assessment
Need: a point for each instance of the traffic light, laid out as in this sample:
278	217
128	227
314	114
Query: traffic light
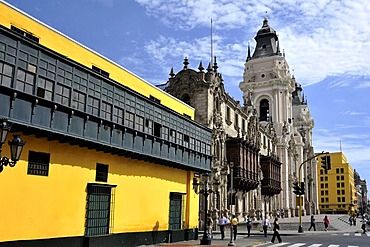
302	188
296	188
325	162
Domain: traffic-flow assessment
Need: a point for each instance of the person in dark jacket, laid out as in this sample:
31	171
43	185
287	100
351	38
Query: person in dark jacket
313	223
249	225
276	229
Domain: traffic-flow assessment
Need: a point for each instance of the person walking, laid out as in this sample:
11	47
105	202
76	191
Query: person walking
326	222
265	225
234	224
276	229
222	221
249	225
363	225
313	223
354	219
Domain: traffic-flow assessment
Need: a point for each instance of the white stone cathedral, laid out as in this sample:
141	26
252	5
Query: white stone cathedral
259	146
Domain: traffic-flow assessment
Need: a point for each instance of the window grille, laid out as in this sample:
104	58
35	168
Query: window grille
176	214
99	209
38	163
6	73
101	173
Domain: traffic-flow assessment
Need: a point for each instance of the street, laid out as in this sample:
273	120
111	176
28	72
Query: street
327	239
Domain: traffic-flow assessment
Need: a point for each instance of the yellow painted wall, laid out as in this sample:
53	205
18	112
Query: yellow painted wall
338	161
83	55
36	207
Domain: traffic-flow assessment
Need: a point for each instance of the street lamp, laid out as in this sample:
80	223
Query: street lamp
231	165
203	188
16	146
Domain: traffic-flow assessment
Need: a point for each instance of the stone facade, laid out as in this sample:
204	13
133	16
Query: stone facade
265	139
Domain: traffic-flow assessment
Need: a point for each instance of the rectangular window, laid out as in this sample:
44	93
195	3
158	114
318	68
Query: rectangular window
227	113
326	192
99	210
337	170
343	192
326	178
117	115
139	123
38	163
338	199
338	178
186	140
45	88
326	185
129	120
172	136
341	177
243	125
236	122
157	129
106	110
93	106
165	133
342	185
179	138
101	173
78	101
6	74
338	185
25	81
342	170
149	126
343	199
62	94
338	192
176	211
322	192
321	186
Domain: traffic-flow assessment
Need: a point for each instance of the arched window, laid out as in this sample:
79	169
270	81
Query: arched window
264	110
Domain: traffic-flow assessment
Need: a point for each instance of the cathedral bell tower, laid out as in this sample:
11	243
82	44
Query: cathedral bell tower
268	84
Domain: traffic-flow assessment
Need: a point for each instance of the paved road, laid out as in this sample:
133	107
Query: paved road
289	227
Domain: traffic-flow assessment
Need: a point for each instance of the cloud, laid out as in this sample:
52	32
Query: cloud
321	38
352	113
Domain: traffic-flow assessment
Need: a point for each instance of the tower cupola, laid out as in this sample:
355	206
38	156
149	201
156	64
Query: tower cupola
267	41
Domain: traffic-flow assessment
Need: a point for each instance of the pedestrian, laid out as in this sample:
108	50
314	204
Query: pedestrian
282	213
249	225
363	225
234	224
222	221
209	226
326	222
265	224
276	231
350	220
313	223
354	219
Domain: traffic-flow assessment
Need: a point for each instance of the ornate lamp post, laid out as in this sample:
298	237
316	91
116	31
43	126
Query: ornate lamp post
16	146
202	187
231	165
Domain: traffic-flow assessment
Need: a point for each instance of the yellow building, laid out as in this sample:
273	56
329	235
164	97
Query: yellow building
109	159
337	191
